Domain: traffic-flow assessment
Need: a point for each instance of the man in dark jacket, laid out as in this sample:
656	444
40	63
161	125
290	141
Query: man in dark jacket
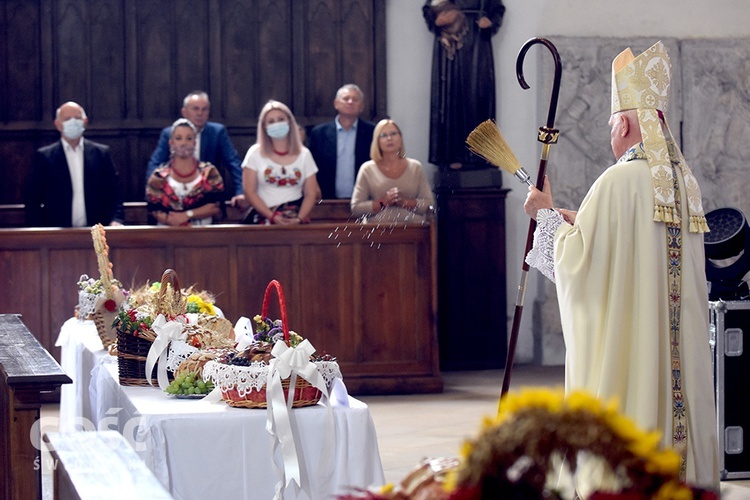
73	182
341	146
212	145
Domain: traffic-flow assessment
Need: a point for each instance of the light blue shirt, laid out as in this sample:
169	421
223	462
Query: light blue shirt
345	143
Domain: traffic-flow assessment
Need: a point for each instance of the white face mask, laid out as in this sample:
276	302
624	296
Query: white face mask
278	130
184	150
73	128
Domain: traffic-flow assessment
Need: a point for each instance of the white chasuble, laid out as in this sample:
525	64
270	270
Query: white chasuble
612	285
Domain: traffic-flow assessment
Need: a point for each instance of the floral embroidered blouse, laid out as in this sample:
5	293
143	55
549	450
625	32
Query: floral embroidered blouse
165	194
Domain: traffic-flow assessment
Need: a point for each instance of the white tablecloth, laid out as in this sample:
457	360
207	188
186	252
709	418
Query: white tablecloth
81	351
202	450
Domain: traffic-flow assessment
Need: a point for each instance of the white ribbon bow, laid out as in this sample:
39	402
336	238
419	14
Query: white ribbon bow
166	331
293	359
288	362
243	333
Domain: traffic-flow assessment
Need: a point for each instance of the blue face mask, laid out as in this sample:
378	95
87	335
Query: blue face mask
278	130
73	128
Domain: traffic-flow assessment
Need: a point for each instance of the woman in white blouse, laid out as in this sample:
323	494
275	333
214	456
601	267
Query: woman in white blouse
278	175
391	187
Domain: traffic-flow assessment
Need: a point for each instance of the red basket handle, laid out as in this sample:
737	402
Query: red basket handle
282	305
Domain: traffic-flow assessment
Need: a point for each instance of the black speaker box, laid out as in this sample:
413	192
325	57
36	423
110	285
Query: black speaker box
729	329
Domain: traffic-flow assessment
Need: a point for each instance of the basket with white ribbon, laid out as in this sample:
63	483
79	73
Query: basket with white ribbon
283	368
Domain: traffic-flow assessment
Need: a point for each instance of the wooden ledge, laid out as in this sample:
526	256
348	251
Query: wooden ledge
12	216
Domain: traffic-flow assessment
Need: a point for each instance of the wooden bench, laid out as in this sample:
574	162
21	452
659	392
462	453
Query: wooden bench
91	465
27	371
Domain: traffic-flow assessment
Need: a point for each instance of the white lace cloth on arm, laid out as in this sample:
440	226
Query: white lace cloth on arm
542	254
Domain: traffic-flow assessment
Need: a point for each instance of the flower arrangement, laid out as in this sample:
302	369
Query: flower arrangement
133	320
267	330
198	304
96	288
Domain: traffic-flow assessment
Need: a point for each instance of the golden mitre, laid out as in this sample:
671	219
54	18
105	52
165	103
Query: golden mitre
642	83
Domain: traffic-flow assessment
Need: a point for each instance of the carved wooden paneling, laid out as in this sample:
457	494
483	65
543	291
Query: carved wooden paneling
156	97
273	57
108	43
21	270
341	42
130	63
22	43
238	42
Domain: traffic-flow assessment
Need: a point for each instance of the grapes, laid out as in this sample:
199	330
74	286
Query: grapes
191	384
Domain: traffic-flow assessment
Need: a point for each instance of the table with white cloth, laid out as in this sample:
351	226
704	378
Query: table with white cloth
200	450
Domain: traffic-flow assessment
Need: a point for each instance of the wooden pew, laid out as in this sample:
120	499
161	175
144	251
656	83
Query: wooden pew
91	465
26	371
364	293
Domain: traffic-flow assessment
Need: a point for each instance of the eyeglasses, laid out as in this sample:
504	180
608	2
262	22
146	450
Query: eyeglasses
385	135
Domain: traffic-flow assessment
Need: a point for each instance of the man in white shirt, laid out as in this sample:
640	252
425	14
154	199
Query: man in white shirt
73	182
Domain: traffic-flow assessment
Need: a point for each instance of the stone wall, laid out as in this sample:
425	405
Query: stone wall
709	114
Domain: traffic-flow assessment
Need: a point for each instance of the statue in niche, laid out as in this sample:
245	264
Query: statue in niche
463	76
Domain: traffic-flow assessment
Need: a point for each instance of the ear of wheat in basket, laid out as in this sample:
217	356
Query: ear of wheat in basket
487	141
106	308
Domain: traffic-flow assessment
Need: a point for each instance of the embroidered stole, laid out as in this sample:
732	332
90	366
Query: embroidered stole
674	263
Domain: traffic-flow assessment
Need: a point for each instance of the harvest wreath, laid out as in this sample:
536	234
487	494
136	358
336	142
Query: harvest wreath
519	454
100	299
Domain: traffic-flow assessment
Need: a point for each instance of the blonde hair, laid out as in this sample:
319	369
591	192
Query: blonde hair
265	141
375	153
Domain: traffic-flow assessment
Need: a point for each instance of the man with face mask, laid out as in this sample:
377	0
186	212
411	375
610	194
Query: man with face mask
73	182
212	145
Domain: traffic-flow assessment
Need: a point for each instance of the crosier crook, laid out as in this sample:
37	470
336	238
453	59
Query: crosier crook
547	136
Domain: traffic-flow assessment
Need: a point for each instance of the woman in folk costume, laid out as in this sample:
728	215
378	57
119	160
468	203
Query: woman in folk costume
629	269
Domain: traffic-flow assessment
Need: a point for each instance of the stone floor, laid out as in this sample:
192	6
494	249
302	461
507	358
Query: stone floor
434	425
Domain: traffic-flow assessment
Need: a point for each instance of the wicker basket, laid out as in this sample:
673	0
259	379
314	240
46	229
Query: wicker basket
305	394
133	344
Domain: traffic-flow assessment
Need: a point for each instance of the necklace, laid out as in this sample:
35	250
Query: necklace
189	174
280	153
